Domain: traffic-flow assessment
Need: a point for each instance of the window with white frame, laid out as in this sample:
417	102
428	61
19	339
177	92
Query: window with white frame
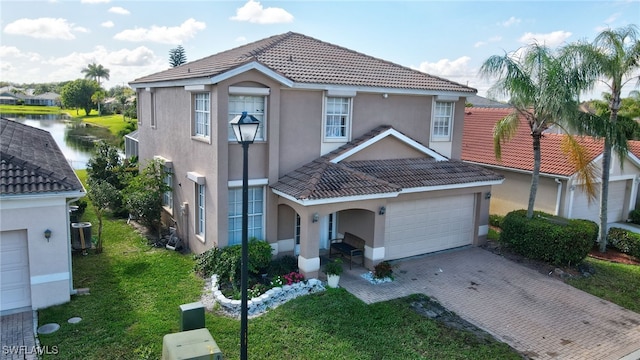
202	115
167	198
255	214
253	105
337	119
200	212
442	120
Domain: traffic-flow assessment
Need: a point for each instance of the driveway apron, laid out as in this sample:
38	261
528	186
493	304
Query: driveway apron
539	316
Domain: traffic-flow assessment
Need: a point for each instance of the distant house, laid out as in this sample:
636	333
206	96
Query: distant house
37	184
46	99
347	143
559	190
10	95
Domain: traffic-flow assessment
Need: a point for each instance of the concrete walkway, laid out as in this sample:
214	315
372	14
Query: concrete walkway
539	316
17	336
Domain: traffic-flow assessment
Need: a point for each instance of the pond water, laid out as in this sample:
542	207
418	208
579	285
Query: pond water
77	149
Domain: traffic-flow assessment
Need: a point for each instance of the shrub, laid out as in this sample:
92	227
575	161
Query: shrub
383	270
548	238
496	220
624	241
634	215
333	267
226	262
283	265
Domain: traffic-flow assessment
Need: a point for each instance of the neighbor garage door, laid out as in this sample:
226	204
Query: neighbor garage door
15	289
582	209
422	226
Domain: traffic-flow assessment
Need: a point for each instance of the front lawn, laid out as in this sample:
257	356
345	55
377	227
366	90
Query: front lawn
618	283
136	290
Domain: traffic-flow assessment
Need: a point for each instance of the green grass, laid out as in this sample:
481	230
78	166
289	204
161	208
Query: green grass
30	109
135	293
618	283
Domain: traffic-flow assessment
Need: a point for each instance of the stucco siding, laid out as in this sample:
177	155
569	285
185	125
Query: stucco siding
513	193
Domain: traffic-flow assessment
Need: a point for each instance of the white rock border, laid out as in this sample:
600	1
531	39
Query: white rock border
372	279
256	306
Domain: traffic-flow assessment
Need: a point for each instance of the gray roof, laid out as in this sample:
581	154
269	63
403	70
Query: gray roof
482	102
324	179
32	163
305	60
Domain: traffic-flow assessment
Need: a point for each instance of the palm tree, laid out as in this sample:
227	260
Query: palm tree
95	72
614	58
543	92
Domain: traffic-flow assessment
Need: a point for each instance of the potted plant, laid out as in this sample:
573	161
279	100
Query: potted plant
333	269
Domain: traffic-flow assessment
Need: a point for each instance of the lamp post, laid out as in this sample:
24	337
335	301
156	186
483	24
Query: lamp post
245	128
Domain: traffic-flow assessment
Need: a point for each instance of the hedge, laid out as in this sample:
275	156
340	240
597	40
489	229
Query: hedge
549	238
624	241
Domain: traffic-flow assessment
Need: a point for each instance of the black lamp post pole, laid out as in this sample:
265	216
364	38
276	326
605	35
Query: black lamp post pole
245	251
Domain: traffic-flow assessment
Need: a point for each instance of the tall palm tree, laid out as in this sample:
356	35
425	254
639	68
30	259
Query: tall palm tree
95	72
543	92
613	58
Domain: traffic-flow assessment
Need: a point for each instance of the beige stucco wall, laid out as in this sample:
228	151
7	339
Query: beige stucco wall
49	262
513	193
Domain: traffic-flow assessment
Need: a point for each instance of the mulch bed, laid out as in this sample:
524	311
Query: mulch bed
614	255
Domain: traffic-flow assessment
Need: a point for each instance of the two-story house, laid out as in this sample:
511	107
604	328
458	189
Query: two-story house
347	143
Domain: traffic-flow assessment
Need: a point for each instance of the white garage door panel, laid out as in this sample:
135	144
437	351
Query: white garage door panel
421	226
582	209
15	288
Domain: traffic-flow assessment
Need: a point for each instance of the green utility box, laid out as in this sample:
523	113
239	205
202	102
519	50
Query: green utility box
191	316
190	345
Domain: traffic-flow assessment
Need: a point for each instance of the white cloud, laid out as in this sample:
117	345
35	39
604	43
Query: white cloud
163	34
511	21
241	39
551	39
107	24
139	56
479	43
119	10
490	40
43	28
612	18
253	12
446	67
94	1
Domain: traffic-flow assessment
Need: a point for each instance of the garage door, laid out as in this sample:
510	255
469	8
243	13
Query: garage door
582	209
15	288
422	226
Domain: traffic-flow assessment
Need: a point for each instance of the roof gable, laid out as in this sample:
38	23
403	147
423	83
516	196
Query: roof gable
32	163
300	60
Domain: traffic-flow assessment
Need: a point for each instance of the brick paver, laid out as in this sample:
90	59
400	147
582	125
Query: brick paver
17	336
540	316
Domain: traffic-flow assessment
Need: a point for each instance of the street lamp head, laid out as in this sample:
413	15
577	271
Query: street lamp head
245	127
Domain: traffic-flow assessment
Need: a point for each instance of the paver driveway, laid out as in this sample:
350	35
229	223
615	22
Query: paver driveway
540	316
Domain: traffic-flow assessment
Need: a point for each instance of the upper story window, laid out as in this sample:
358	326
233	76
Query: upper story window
442	121
337	118
253	105
202	115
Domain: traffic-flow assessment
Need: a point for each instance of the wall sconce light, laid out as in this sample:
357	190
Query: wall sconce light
382	210
47	234
385	95
315	217
487	195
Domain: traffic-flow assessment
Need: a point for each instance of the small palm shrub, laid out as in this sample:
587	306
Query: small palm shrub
383	270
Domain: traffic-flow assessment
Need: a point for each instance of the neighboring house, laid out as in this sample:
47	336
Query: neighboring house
559	191
9	98
36	186
347	143
46	99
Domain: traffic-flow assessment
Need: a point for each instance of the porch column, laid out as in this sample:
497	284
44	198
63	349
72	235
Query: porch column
375	254
309	258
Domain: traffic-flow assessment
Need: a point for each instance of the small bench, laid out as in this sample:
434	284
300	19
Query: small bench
349	246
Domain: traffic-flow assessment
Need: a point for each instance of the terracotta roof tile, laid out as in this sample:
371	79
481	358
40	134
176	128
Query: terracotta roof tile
303	59
31	162
477	145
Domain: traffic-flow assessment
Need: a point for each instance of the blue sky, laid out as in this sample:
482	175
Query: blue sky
50	41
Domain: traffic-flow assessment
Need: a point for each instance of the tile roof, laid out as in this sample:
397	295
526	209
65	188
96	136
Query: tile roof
323	179
32	163
477	144
306	60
